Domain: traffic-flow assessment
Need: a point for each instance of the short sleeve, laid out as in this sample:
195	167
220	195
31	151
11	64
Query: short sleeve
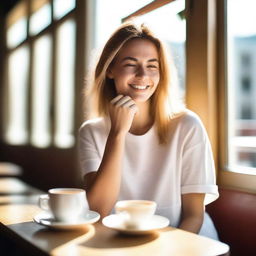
198	171
89	156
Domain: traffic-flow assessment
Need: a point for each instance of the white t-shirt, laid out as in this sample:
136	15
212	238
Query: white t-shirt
157	172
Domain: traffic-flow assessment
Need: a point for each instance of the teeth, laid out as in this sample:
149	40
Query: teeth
140	87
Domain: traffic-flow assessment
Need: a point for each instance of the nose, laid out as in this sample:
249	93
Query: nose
141	71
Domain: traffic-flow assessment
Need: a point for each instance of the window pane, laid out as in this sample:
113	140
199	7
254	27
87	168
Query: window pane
65	84
16	132
61	8
113	11
41	92
169	18
17	33
242	85
40	19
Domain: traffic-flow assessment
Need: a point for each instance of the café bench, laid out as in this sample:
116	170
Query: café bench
234	215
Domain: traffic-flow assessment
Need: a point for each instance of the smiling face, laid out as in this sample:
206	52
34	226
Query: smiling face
136	70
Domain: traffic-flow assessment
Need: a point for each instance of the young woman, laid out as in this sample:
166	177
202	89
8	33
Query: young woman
145	144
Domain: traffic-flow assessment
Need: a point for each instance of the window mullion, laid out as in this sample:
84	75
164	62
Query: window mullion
30	43
53	82
201	86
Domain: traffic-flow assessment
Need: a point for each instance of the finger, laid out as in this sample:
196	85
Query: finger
129	103
134	108
116	99
132	105
122	101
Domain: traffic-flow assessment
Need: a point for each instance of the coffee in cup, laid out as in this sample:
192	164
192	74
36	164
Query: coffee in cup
135	213
66	204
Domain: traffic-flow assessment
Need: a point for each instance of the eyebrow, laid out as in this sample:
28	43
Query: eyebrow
134	59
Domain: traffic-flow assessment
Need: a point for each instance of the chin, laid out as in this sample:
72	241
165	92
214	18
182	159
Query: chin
140	100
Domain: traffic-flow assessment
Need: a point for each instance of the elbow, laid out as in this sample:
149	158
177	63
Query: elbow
192	223
97	205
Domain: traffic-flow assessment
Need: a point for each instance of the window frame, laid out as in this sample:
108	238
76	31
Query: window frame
147	8
226	177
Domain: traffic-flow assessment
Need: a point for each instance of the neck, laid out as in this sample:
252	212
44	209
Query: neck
143	119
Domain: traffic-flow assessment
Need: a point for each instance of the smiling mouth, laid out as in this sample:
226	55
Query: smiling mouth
139	87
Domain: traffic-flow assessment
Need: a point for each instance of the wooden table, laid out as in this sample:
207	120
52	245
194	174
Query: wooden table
16	223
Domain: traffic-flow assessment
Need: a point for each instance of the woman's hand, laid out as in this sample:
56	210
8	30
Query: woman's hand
122	112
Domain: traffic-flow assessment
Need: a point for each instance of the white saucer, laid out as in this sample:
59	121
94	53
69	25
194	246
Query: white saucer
46	219
115	222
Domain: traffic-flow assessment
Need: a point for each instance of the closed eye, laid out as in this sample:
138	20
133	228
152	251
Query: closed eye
129	65
152	66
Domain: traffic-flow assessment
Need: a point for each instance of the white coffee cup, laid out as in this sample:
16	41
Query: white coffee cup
66	204
135	213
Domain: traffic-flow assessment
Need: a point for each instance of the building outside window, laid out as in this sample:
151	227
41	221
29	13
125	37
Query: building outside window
241	86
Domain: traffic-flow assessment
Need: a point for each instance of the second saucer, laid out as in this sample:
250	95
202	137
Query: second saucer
115	222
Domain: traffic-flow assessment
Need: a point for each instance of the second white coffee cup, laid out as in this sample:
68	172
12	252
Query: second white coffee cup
135	213
66	204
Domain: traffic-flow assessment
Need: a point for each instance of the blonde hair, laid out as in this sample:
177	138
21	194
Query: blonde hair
165	102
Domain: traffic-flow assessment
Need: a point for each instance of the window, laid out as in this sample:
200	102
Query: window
65	84
41	74
41	94
61	8
18	62
41	17
121	9
241	45
16	26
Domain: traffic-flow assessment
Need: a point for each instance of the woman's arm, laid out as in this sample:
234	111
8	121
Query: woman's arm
192	212
102	187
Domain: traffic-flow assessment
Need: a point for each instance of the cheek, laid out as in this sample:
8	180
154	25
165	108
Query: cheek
119	85
119	90
156	78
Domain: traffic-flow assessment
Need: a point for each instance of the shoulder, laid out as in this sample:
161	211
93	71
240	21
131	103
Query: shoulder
93	126
187	120
189	125
190	119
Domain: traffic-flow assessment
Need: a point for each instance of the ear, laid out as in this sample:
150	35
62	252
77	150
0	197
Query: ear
110	73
